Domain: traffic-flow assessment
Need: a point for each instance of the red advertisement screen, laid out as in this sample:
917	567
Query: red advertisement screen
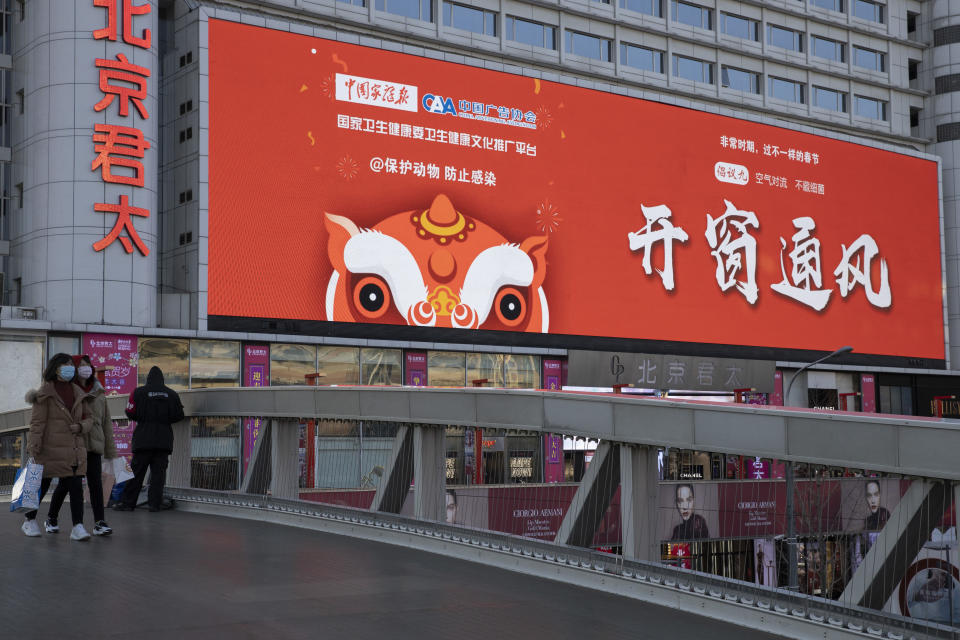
351	184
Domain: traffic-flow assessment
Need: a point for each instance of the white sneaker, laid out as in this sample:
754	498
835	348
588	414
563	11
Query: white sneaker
51	526
30	528
102	529
79	533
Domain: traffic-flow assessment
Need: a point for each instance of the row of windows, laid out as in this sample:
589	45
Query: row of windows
545	36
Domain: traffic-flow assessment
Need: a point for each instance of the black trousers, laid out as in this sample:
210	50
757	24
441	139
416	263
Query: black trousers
94	484
69	484
156	461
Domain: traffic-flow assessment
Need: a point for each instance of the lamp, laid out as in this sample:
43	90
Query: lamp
840	351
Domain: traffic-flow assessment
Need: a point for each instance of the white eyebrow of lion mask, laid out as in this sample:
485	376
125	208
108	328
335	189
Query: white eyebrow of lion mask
373	252
492	269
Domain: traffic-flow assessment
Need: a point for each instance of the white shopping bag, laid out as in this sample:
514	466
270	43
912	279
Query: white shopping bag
121	470
26	488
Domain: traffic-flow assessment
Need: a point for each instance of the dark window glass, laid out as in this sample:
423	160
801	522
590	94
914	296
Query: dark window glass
740	80
692	69
641	58
580	44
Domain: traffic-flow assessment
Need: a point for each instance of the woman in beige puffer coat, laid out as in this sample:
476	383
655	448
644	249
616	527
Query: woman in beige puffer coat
58	423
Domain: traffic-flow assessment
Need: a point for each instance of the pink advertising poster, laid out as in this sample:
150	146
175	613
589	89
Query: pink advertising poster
117	354
256	373
123	437
553	458
868	399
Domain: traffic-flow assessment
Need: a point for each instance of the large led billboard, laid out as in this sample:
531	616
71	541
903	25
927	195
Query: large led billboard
355	185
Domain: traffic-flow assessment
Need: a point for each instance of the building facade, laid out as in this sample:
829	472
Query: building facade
120	183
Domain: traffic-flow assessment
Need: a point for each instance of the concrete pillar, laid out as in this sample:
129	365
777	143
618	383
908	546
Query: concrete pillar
256	478
178	469
638	502
429	473
284	458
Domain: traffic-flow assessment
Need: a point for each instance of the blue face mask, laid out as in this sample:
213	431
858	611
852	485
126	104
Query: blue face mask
65	373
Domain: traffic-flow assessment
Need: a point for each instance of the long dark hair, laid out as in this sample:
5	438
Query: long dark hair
76	376
50	373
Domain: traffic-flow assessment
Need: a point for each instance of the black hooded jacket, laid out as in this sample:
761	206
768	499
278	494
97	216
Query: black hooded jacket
155	407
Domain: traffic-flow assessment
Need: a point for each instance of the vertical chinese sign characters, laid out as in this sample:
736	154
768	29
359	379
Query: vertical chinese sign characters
119	150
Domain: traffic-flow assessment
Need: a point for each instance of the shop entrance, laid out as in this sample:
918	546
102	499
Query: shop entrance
493	467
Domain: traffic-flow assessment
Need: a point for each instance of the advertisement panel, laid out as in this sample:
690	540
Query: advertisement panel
118	356
409	192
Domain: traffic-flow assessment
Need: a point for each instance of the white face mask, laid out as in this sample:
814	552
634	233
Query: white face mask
85	371
65	373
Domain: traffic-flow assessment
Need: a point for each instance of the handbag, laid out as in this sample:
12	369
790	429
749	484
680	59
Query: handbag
121	470
26	488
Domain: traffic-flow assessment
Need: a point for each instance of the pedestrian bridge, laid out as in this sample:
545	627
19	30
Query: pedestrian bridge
381	464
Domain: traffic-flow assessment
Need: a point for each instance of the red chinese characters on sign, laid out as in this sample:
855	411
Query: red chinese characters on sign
120	147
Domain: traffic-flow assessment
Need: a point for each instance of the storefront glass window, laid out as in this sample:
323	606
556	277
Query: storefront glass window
522	372
487	366
289	363
214	363
381	367
10	447
446	369
62	344
215	453
171	355
338	365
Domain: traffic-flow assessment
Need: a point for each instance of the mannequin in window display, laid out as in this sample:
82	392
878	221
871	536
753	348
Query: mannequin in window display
692	525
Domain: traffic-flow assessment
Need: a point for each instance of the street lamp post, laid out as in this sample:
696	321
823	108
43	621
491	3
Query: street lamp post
791	528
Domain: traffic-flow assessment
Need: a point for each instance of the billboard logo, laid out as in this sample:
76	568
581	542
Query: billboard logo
473	110
439	104
732	173
376	93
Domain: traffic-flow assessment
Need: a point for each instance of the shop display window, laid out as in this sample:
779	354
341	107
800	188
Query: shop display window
290	363
339	365
446	369
214	363
381	367
485	366
173	358
521	372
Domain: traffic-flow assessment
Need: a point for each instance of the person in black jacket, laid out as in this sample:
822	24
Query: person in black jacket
155	407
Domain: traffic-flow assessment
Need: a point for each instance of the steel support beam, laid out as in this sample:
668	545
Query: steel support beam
593	497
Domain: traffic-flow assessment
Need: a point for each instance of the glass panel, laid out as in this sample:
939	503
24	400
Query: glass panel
62	344
485	365
868	59
906	401
407	8
739	27
339	365
580	44
446	369
522	372
381	366
649	7
173	358
829	99
691	14
641	58
832	5
289	363
691	69
824	48
741	80
214	363
784	38
461	17
10	447
785	90
870	108
490	23
215	427
531	33
867	10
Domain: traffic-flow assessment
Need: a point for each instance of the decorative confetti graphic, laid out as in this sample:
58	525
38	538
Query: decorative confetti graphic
303	88
310	136
536	86
544	117
348	168
337	60
548	218
328	87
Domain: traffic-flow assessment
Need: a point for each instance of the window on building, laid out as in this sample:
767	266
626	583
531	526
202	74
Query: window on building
740	79
826	48
649	7
381	367
291	363
913	69
341	365
20	101
912	20
521	372
581	44
214	363
914	118
896	399
534	34
692	69
171	355
866	10
641	58
784	38
787	90
740	27
869	59
486	366
832	5
869	108
692	14
829	99
19	189
22	6
446	369
467	18
416	9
